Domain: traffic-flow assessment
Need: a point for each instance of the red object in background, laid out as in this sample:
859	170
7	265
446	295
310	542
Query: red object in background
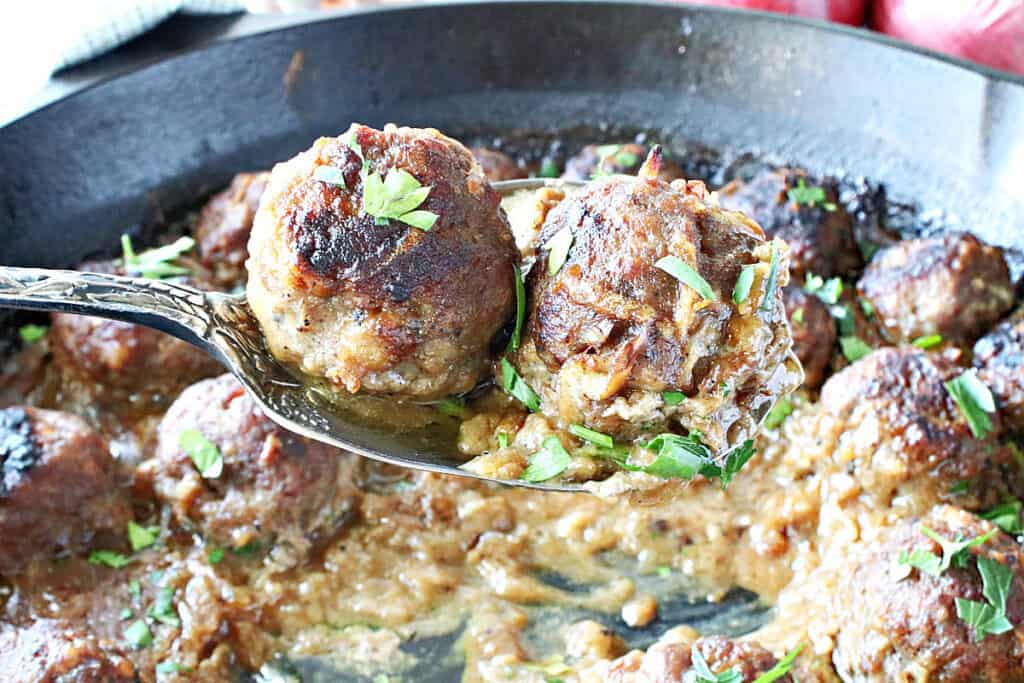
987	31
845	11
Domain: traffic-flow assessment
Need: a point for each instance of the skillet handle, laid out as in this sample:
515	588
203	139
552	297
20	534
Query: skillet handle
176	309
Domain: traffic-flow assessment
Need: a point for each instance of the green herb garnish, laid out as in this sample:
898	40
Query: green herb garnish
108	558
974	400
138	635
673	398
163	609
135	588
988	617
589	435
954	553
685	273
330	175
155	263
781	667
215	556
453	406
854	348
250	548
809	195
503	440
550	461
558	249
663	571
867	308
700	672
396	197
520	288
517	388
734	462
782	409
798	316
616	154
204	454
169	667
960	487
927	342
828	291
30	334
1006	516
548	168
126	613
741	290
142	537
773	279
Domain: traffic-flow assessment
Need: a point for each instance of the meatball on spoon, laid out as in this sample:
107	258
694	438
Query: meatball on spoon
226	327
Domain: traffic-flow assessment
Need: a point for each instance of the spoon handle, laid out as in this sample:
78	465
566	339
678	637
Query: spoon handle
176	309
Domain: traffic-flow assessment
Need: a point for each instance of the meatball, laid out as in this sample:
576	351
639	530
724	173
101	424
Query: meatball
222	230
803	210
275	487
57	486
51	651
610	331
888	421
999	357
124	367
952	285
595	161
901	624
665	662
371	303
497	165
814	333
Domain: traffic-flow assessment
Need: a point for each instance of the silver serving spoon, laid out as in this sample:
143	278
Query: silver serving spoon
223	326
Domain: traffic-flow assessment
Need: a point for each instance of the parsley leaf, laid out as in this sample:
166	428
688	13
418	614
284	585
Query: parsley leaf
922	560
330	175
108	558
453	406
700	672
1006	516
685	273
126	613
960	487
781	667
735	460
798	316
503	440
663	571
828	291
782	409
558	249
927	341
396	197
169	667
138	635
163	609
854	348
809	195
996	579
974	400
30	334
204	453
142	537
773	279
517	388
744	282
215	556
548	169
984	619
550	461
520	288
589	435
155	263
673	398
615	154
955	552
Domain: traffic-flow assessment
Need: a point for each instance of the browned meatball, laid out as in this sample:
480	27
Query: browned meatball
611	331
889	422
670	662
999	357
375	304
952	285
275	487
901	624
814	333
497	165
51	651
122	366
819	231
595	161
57	486
222	230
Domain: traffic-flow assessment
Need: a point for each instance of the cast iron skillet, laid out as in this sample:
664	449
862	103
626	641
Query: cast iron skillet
125	153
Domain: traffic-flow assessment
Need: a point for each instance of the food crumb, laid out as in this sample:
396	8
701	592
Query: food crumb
640	611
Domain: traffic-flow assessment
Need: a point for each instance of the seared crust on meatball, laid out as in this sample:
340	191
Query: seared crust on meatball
497	165
820	236
384	308
999	357
51	651
276	487
57	486
595	161
952	285
890	423
670	662
610	330
222	230
814	333
901	624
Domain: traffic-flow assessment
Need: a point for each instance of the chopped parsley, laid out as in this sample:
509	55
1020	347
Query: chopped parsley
854	348
138	635
798	316
126	614
215	556
867	307
396	197
558	249
954	553
30	334
734	462
503	440
589	435
142	537
683	457
773	279
700	672
517	388
135	588
741	290
548	168
974	400
204	453
927	342
453	406
155	264
109	558
330	175
685	273
988	617
163	609
960	487
809	195
615	154
547	463
782	409
663	571
673	398
781	667
168	667
520	289
1006	516
828	291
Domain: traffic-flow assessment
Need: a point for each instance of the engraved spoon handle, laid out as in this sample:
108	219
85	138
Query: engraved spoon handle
176	309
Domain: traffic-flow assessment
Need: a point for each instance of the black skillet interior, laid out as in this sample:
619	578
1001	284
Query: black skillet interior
126	153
